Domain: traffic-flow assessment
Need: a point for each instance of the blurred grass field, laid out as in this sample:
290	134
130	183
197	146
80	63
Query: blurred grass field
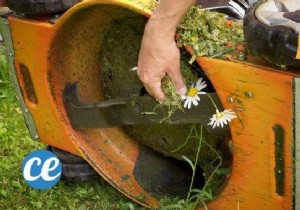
15	144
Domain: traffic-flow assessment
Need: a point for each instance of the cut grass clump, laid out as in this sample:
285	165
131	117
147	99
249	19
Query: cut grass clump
173	100
210	33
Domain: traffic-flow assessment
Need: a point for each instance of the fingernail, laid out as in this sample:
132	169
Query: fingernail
134	69
182	91
160	101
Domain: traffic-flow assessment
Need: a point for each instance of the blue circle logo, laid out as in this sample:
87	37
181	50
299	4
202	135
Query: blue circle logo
41	169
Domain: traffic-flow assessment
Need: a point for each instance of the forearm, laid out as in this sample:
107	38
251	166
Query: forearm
167	17
159	54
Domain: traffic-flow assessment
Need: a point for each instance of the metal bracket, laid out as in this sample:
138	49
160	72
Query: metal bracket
297	142
135	111
9	49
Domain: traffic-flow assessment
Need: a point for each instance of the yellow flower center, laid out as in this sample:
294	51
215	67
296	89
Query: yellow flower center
192	92
220	115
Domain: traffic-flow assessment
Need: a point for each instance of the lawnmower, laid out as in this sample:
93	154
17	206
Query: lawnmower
70	64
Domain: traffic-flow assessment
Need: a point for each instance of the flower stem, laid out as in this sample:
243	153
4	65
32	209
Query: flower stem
196	161
187	139
212	101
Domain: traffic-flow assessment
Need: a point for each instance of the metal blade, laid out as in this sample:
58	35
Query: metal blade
140	110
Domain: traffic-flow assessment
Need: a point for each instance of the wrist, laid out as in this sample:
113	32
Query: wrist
161	28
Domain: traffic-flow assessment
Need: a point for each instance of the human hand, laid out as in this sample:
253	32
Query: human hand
159	56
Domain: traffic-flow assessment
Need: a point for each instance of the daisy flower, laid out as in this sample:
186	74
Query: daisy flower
221	118
192	94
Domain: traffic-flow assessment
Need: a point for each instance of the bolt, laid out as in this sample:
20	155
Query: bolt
230	100
6	23
36	137
10	54
26	111
249	94
137	110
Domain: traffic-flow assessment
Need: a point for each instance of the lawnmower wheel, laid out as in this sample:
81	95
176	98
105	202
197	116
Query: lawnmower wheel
75	168
38	7
66	157
277	43
78	172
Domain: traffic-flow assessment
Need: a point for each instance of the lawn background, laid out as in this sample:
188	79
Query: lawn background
15	144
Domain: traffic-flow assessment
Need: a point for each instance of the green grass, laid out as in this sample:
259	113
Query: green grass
15	144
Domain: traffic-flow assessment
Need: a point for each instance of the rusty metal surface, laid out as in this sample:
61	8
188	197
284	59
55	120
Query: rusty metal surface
5	32
253	179
67	52
297	142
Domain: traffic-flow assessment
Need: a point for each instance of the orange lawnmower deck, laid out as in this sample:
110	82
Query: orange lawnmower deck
46	56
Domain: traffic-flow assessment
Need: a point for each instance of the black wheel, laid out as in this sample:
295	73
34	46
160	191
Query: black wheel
78	172
273	41
37	7
74	168
66	157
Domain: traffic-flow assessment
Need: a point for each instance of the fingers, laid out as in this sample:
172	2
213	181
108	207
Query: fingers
155	90
152	82
177	78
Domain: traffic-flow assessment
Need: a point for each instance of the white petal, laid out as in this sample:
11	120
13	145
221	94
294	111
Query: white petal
195	102
215	123
201	92
211	121
183	97
200	84
218	123
190	104
186	102
221	123
225	121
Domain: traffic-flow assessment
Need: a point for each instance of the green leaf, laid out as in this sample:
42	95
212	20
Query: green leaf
208	194
16	184
3	192
82	207
33	193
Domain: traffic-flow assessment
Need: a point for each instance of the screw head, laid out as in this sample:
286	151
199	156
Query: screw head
230	100
26	111
10	54
249	95
6	23
36	137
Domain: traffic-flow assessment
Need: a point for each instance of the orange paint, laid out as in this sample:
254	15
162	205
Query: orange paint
67	52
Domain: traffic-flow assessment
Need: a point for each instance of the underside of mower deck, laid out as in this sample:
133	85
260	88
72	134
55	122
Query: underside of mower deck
72	73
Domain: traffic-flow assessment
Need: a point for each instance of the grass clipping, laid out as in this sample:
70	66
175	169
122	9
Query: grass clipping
209	34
